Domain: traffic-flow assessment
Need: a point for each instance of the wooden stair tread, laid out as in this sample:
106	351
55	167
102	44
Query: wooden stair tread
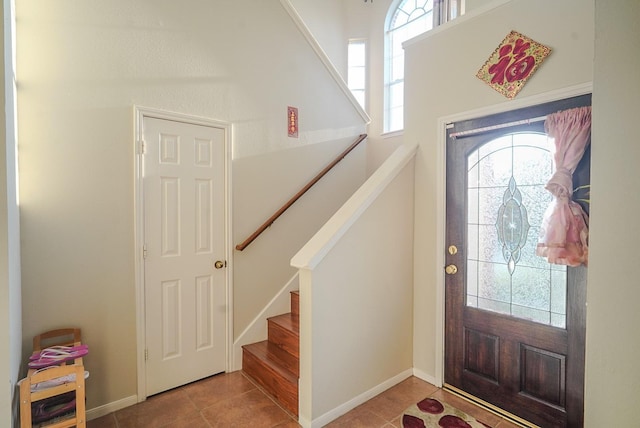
279	360
274	363
283	331
288	322
268	365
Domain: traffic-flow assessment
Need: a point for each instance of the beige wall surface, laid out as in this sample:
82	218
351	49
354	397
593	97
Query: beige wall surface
82	66
613	348
263	268
440	81
356	294
326	21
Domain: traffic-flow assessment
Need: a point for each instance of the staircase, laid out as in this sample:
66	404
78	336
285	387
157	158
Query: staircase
274	363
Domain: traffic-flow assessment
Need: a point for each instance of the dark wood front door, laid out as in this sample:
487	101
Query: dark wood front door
514	324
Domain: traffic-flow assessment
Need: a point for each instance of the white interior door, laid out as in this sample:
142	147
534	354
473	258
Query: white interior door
184	236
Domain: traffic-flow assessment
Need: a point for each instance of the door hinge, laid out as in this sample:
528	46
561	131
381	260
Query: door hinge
146	354
144	251
141	147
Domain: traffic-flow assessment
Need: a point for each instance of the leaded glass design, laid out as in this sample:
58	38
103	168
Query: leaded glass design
512	225
506	200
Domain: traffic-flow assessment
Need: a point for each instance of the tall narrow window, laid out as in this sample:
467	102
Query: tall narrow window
405	20
357	70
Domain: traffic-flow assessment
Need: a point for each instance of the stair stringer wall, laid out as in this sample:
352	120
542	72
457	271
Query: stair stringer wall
356	296
257	330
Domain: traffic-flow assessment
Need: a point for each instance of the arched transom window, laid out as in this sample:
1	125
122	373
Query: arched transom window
405	20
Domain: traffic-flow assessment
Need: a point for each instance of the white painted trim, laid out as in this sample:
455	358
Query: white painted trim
321	243
506	106
139	114
324	58
138	205
441	177
256	331
441	203
230	247
356	401
114	406
392	134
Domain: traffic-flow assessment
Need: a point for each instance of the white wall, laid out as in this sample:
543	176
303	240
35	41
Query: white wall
326	21
440	81
263	267
471	5
355	296
613	351
82	65
10	298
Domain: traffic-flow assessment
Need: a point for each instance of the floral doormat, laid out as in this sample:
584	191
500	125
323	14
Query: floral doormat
433	413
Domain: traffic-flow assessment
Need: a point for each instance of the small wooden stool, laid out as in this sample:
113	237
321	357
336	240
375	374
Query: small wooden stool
60	337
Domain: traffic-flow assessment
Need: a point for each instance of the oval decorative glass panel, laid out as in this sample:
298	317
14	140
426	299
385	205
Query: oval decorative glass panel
512	225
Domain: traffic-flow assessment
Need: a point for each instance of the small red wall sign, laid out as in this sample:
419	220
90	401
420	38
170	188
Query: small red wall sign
292	121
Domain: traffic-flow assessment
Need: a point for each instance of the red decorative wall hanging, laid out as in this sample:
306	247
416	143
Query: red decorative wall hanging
292	118
512	63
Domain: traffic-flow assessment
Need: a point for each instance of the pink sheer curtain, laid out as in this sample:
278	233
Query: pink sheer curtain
564	233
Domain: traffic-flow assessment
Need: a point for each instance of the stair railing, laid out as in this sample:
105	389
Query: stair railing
298	195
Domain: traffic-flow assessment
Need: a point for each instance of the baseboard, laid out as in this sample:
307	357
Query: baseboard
362	398
256	331
100	411
426	377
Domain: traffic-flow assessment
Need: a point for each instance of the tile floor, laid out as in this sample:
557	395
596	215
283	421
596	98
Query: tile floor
232	400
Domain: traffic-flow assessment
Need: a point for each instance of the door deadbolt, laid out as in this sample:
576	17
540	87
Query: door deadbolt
451	269
453	249
219	264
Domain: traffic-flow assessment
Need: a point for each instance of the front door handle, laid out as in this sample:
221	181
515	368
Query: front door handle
451	269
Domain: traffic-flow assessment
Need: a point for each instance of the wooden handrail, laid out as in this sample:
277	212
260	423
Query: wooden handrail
298	195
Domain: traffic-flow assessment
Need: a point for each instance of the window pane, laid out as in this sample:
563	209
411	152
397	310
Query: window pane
356	54
397	68
396	119
357	70
359	97
397	92
419	26
397	38
356	78
399	19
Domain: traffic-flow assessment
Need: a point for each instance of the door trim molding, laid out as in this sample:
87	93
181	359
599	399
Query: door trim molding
441	188
140	113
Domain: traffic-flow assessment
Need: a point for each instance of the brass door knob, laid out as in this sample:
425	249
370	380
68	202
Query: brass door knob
451	269
219	264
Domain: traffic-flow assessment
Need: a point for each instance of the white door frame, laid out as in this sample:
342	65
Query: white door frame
140	113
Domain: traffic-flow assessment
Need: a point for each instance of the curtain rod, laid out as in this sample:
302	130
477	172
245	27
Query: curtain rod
494	127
